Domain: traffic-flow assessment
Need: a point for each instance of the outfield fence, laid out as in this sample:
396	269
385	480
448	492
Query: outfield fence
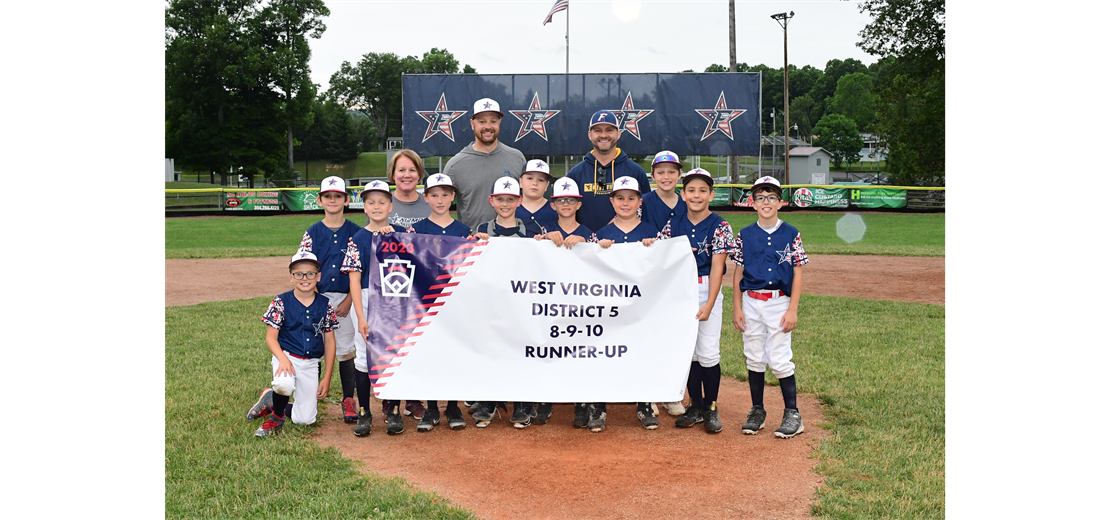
799	196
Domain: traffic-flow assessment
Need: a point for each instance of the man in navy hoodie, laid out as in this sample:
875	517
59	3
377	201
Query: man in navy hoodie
598	169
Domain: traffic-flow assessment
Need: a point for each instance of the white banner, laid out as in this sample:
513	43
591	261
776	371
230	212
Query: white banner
523	320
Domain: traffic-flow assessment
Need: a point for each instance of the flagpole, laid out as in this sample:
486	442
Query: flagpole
568	37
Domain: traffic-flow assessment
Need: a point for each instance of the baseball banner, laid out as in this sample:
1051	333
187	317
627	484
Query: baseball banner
523	320
251	200
548	114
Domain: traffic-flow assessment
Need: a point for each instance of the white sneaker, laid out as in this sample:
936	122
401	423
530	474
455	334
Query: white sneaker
675	409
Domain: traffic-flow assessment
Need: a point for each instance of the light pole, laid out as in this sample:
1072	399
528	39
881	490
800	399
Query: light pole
795	127
783	19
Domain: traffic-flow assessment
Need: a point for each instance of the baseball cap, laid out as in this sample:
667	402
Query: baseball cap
666	156
303	256
603	117
768	182
698	172
537	166
438	179
565	187
333	183
506	186
375	186
486	105
625	183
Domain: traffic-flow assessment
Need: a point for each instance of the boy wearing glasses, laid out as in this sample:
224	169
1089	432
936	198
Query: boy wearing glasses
301	323
765	295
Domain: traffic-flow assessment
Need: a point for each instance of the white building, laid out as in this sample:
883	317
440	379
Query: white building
809	165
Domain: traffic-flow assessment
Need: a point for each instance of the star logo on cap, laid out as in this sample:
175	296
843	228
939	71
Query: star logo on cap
566	186
487	104
629	118
440	119
719	117
439	178
507	185
624	181
533	119
331	182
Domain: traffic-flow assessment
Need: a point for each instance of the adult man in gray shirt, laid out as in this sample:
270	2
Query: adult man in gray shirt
476	167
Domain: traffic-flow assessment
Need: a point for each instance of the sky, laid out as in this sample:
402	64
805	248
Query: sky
606	36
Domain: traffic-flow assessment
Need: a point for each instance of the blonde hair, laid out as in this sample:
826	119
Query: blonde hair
412	157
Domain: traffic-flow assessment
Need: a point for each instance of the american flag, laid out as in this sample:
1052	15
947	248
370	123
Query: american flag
560	5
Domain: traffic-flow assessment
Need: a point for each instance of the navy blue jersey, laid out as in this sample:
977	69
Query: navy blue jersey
657	213
612	232
581	231
427	227
359	254
531	229
301	329
543	216
330	247
596	182
711	236
769	258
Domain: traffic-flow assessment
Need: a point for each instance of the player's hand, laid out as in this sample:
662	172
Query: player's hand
649	241
555	237
605	243
738	320
344	307
573	239
789	321
482	236
704	310
285	368
363	328
386	229
322	392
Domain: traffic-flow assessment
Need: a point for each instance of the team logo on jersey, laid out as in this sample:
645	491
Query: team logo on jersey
533	119
318	327
785	254
396	277
719	117
440	119
703	246
628	118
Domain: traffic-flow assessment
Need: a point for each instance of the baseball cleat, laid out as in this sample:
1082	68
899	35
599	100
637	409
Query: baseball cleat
757	418
350	413
581	415
483	414
597	419
365	423
543	413
272	425
455	418
675	409
692	416
791	424
712	419
647	418
394	425
429	420
264	405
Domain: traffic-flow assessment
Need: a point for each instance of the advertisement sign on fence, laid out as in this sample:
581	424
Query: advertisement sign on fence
251	200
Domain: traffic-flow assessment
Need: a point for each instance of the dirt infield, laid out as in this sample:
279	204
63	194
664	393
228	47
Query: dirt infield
902	278
556	471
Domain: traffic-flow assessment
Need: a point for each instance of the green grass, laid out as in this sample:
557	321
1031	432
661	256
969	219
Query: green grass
909	234
903	234
216	362
878	367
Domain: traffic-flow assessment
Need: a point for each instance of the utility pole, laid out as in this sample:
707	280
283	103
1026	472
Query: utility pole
733	161
783	19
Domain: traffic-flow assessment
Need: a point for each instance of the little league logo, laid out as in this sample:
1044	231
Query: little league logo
396	277
802	197
440	119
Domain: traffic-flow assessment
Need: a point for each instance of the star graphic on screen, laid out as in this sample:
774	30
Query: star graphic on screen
719	117
785	254
507	185
533	119
629	118
440	119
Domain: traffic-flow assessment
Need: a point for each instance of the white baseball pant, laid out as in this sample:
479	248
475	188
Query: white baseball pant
345	333
707	350
303	385
360	340
765	343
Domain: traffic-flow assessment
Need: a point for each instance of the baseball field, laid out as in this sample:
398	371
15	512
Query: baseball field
869	349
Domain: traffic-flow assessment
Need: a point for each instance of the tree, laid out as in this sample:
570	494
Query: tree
333	134
221	113
825	86
438	61
803	112
716	67
854	99
838	135
909	37
469	70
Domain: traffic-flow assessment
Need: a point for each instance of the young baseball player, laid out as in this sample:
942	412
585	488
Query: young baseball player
765	295
377	202
301	323
327	239
711	241
533	184
505	198
626	227
439	192
566	231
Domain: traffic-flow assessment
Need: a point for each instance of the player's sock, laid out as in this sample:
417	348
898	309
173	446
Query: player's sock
362	383
347	377
755	384
789	392
280	402
450	404
433	404
693	384
711	378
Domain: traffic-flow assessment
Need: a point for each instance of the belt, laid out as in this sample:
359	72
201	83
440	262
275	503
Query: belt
296	356
765	295
700	278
